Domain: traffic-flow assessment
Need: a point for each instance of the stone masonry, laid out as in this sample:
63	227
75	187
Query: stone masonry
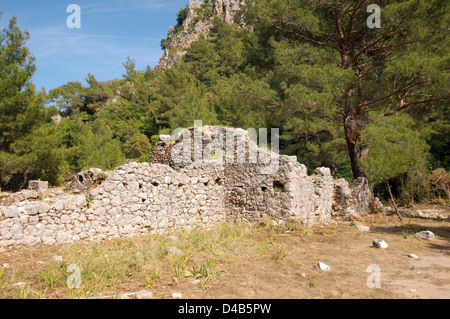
167	194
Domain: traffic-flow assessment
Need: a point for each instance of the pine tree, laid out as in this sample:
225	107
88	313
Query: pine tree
345	71
195	105
398	150
68	97
137	146
20	107
129	66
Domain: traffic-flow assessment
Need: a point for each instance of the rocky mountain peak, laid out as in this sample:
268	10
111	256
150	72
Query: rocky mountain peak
196	20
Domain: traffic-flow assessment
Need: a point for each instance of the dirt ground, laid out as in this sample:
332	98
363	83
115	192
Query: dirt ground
348	252
279	264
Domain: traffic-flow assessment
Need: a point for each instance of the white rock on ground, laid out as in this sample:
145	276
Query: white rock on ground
20	285
427	235
323	266
378	243
58	259
361	227
144	294
172	239
177	295
194	282
413	256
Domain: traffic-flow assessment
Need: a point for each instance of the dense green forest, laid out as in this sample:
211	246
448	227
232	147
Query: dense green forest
364	102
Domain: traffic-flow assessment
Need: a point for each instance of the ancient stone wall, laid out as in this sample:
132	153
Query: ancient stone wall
137	199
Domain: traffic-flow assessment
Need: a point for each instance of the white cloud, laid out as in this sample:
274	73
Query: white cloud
57	39
76	54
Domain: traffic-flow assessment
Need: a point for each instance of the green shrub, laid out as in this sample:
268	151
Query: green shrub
138	146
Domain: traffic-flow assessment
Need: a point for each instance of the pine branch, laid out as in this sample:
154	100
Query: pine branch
394	45
410	85
352	20
338	22
408	105
301	36
368	46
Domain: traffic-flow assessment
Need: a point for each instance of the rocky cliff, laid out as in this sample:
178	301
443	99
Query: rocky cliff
194	21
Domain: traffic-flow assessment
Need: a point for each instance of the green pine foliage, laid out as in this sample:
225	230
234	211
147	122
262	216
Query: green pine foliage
44	154
181	16
138	146
21	107
398	152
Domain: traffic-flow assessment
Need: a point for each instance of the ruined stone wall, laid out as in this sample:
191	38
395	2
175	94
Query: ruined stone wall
137	199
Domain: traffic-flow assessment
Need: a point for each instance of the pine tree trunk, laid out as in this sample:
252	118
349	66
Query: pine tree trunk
354	156
4	144
352	133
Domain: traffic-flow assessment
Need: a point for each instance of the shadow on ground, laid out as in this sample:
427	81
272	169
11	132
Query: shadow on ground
410	227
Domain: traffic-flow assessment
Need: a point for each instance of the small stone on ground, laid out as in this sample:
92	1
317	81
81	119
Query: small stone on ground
426	235
378	243
177	295
144	294
172	239
361	227
323	266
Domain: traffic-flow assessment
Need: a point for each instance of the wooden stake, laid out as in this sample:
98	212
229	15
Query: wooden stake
393	201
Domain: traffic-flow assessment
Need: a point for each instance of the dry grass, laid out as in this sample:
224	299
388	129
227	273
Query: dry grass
239	261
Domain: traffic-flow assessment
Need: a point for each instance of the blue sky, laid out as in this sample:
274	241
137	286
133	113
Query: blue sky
110	31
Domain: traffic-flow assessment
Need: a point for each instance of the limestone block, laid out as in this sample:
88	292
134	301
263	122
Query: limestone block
79	201
323	171
16	229
33	220
30	240
65	219
127	229
11	212
59	205
116	201
38	186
